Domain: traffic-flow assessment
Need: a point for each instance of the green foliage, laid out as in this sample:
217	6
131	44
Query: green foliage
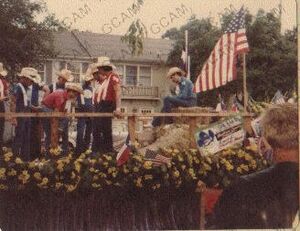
271	62
24	40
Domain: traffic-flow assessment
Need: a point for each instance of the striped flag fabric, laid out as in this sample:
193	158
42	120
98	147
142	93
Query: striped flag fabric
124	152
156	158
220	67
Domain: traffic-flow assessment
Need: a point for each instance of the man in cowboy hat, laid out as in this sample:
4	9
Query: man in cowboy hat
3	97
63	77
21	103
60	101
185	98
85	104
107	99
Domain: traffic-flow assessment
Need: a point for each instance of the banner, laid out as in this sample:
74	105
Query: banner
220	135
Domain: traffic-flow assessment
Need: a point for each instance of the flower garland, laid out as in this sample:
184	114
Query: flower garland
66	173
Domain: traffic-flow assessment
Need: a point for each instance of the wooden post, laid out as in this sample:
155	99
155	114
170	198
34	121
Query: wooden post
131	128
54	132
201	187
245	83
192	129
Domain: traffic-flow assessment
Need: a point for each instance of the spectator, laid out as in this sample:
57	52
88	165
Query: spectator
269	198
3	97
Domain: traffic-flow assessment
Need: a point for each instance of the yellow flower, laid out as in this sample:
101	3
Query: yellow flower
55	151
7	156
37	176
176	151
176	173
111	170
3	187
44	181
6	159
2	173
192	173
138	158
135	169
108	182
125	169
95	178
239	170
24	177
109	158
71	188
139	183
148	177
12	172
94	185
77	166
229	167
180	158
89	151
92	170
58	185
105	164
92	161
147	165
73	175
208	160
183	167
60	166
18	161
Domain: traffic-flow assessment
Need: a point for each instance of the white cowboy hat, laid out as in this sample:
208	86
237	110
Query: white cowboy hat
104	62
66	74
174	70
29	72
3	72
74	87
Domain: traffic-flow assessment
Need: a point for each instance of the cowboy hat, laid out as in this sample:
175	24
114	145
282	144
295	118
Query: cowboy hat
104	62
3	72
29	72
174	70
74	87
66	74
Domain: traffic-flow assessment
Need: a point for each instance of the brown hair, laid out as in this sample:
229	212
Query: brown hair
280	126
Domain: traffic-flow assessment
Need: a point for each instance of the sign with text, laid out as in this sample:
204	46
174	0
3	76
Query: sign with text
220	135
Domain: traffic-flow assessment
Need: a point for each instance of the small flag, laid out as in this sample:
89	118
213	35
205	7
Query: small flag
156	158
184	56
124	152
278	98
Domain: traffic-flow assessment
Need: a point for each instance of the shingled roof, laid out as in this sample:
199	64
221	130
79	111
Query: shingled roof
92	45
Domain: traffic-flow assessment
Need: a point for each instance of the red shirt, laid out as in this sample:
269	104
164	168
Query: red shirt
108	94
56	100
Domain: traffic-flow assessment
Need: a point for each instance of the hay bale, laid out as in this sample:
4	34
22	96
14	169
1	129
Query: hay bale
185	120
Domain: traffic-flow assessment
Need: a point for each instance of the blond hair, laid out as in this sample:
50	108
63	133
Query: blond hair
280	126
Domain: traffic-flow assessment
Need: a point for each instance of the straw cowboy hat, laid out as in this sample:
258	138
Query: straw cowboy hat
104	62
174	70
74	87
66	74
3	72
29	72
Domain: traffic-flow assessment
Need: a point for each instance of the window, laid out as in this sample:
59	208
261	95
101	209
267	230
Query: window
145	76
75	68
41	68
131	75
123	109
120	72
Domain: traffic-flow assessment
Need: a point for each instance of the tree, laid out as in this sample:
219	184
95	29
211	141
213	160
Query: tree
271	62
24	41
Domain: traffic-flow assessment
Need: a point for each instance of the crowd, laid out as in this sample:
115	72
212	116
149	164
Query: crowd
100	91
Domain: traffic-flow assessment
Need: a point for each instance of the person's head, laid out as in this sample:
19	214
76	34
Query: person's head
104	67
104	70
64	76
73	90
175	74
280	129
27	76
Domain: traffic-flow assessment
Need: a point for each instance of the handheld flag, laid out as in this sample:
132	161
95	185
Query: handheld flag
124	152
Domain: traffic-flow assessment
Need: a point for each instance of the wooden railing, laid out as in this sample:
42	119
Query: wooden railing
140	92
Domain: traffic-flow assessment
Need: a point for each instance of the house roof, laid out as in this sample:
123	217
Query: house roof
86	44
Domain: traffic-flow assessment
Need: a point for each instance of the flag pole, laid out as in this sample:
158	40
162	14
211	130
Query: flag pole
189	67
186	52
245	83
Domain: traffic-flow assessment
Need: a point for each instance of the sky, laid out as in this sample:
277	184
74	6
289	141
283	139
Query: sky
157	16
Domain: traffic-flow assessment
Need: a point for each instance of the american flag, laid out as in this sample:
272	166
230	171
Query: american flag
156	158
220	67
